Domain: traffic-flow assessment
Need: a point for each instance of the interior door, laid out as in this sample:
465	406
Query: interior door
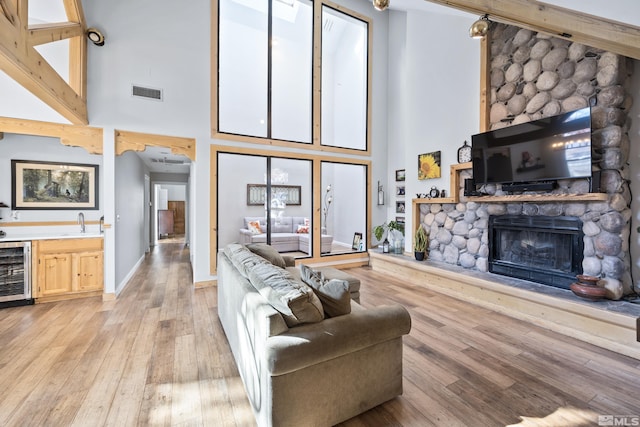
177	206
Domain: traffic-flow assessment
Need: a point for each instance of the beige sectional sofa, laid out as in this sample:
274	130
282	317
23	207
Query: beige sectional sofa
298	366
284	234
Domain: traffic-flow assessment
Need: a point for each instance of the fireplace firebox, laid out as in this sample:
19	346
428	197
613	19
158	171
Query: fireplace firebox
543	249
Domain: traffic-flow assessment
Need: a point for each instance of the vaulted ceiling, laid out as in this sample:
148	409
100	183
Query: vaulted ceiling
21	61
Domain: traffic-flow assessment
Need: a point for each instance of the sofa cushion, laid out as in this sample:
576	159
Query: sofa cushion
334	293
242	258
296	301
303	229
267	252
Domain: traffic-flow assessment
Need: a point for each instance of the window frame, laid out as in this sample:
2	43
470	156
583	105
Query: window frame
316	138
355	258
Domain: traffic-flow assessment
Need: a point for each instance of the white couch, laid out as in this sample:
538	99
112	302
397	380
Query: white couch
284	235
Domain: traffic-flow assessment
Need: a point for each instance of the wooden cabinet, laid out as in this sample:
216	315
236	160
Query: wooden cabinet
165	222
67	268
178	208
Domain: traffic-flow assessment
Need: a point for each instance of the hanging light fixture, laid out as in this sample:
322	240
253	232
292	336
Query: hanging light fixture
480	28
381	4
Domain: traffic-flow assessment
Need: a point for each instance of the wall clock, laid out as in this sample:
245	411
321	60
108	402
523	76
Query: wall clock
464	153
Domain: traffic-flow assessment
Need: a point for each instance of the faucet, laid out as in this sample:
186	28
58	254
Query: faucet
81	222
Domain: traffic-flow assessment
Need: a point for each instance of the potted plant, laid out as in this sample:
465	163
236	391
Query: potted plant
420	243
394	230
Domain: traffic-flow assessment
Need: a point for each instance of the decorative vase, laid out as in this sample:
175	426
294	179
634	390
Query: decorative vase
587	288
419	256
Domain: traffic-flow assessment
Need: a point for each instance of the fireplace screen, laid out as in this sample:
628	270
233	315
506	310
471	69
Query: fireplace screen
547	250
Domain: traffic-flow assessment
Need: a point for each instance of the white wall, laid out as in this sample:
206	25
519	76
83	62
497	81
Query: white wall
129	209
175	193
26	147
438	94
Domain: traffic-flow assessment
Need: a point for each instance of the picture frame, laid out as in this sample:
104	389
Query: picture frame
400	175
39	185
429	165
400	190
290	195
357	240
400	207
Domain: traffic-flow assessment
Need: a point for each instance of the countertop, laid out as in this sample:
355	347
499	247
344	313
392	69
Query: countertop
21	237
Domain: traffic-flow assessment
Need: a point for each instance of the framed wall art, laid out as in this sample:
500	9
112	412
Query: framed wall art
400	175
53	186
289	195
429	165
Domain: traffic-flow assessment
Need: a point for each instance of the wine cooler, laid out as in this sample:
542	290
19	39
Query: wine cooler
15	274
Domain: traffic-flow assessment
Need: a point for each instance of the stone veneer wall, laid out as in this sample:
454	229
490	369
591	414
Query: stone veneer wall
535	76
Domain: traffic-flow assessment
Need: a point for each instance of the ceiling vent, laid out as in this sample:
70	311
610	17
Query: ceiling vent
146	92
168	161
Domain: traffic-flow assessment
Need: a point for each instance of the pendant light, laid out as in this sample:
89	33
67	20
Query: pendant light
480	28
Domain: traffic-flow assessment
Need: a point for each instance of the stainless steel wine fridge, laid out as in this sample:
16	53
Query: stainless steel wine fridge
15	274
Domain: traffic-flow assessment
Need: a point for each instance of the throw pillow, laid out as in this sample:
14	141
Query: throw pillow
307	222
334	294
267	252
303	229
254	227
296	301
242	258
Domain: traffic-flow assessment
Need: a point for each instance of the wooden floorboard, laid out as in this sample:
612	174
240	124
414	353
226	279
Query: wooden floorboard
157	355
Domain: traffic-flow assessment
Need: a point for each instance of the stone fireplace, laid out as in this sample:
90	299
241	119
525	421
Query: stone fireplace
543	249
532	76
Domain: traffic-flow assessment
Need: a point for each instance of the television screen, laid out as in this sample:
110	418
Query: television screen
547	149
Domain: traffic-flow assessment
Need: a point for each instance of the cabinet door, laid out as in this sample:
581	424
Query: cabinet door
54	274
90	271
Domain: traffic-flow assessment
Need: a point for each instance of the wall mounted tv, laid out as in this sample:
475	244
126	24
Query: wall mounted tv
547	149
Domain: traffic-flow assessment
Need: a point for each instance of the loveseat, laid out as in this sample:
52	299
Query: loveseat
288	233
298	366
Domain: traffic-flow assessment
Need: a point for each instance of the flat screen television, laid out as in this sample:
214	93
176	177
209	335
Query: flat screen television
547	149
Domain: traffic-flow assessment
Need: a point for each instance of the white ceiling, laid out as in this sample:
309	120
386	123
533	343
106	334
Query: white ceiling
160	159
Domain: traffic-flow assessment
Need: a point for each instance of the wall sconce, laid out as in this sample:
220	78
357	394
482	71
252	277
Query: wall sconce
380	194
480	28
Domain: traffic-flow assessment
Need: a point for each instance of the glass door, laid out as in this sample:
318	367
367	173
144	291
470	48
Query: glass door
263	199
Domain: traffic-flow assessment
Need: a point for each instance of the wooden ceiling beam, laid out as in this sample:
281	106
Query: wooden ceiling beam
47	33
579	27
25	65
77	49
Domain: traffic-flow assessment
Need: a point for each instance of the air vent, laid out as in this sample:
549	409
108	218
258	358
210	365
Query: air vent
168	161
146	92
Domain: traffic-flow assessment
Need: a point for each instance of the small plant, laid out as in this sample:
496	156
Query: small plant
380	230
420	240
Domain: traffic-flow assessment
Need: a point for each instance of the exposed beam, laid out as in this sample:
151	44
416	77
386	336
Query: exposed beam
86	137
77	49
580	27
135	141
46	33
27	67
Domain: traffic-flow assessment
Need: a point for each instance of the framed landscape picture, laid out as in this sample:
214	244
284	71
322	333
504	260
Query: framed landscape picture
53	186
400	175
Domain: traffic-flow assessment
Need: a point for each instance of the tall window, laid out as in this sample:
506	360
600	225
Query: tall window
344	80
265	73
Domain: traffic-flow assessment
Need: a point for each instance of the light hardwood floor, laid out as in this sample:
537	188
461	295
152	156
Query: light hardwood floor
157	356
